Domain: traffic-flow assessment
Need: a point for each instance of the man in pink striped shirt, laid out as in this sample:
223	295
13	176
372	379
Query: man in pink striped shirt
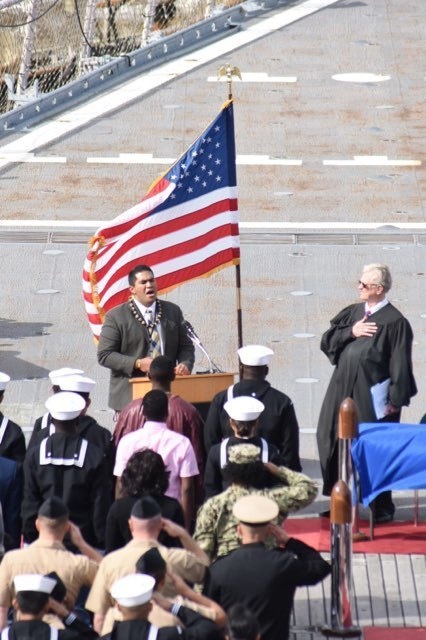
175	449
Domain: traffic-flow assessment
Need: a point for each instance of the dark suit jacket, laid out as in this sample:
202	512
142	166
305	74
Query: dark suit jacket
123	340
11	497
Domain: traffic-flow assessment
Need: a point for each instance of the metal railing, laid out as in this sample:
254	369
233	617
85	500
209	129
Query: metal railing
47	44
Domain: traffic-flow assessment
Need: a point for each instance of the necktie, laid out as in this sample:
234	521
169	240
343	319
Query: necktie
155	341
367	314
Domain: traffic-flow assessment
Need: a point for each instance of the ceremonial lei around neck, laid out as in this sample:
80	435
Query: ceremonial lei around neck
158	313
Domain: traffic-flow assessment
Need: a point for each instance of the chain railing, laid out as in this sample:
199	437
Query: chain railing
44	44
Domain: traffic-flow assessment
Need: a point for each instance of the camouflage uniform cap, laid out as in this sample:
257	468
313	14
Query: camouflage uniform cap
244	453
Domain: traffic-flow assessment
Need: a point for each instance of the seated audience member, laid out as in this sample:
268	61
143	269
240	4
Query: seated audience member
32	602
12	439
145	525
144	475
264	580
71	467
277	423
175	449
243	412
48	553
215	529
133	594
10	501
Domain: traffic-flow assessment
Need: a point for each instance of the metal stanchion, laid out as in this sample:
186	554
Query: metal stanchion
348	431
341	564
341	529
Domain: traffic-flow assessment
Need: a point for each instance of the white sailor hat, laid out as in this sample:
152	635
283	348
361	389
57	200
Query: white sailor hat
244	408
255	510
133	590
255	355
34	582
4	379
61	373
75	382
65	405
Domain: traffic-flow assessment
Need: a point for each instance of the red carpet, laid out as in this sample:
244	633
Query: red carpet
394	633
395	537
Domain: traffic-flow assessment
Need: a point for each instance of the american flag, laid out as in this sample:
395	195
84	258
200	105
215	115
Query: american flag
185	227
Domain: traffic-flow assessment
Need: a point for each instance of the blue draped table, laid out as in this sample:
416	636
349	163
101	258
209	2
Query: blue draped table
389	456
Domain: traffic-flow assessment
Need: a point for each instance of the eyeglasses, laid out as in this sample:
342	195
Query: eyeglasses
366	285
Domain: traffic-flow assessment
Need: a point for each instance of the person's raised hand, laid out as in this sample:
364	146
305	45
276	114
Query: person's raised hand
364	329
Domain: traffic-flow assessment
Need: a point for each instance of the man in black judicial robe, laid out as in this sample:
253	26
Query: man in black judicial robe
368	343
277	423
68	466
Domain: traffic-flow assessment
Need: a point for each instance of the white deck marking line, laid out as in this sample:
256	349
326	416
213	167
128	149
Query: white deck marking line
360	77
255	77
73	119
374	161
148	158
265	160
131	158
31	157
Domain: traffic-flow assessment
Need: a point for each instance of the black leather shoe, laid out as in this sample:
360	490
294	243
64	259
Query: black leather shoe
324	514
382	517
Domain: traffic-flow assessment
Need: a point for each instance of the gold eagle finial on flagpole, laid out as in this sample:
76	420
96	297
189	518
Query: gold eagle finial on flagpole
229	72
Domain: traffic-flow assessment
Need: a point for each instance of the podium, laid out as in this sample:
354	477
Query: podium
196	388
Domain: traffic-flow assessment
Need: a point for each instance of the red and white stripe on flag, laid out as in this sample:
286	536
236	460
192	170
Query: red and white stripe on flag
185	227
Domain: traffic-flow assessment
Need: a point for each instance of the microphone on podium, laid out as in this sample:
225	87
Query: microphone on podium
213	368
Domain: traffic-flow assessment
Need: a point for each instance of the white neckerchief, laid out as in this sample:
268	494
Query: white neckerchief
46	457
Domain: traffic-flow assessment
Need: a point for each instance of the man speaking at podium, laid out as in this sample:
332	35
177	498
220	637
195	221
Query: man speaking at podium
137	331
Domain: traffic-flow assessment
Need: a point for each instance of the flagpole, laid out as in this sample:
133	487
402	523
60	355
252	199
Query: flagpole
230	72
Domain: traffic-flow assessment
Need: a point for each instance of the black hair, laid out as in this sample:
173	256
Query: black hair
155	406
253	372
244	428
67	426
59	591
162	370
145	474
31	602
153	565
138	269
84	394
242	623
249	474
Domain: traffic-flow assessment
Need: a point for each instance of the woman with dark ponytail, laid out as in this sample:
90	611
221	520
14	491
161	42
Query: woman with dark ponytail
243	412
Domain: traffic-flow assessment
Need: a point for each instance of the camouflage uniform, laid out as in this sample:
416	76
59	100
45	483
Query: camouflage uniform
216	527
